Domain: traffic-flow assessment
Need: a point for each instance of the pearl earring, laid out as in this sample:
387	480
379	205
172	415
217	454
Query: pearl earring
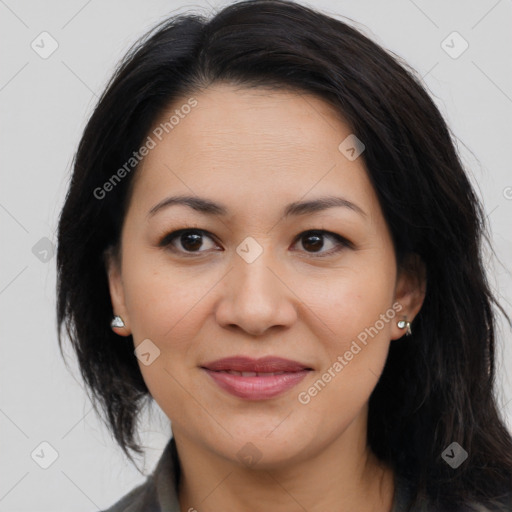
404	324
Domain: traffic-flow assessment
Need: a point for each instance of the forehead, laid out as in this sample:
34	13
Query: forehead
250	144
251	120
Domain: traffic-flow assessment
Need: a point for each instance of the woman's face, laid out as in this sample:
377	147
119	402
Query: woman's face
252	282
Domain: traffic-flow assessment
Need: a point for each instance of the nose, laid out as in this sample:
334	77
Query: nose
256	297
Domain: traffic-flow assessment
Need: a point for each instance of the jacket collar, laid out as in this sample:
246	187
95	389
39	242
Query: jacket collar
166	477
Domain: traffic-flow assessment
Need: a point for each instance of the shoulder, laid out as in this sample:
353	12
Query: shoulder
140	499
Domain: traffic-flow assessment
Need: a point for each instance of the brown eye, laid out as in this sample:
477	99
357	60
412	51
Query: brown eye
185	240
314	241
191	241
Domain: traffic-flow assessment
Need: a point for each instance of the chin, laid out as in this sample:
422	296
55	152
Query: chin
261	451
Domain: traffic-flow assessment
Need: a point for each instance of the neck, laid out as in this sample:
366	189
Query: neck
344	476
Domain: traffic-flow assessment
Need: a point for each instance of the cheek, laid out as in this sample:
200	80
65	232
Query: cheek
161	298
350	301
165	304
356	317
357	308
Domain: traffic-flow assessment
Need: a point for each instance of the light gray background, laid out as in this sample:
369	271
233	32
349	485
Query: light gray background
45	104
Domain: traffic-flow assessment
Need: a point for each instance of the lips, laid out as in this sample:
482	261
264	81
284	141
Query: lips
256	379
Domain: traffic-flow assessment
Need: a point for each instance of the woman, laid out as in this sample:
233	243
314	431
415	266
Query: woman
269	233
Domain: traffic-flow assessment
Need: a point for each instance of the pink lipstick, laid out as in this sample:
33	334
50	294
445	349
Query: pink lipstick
256	379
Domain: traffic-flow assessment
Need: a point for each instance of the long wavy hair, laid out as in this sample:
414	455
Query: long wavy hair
437	387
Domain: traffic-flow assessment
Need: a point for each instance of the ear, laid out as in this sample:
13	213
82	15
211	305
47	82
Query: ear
115	284
410	291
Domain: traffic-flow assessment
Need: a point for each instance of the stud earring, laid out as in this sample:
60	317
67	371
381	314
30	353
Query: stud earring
117	321
404	324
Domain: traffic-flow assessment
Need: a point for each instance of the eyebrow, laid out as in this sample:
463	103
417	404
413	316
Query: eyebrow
208	207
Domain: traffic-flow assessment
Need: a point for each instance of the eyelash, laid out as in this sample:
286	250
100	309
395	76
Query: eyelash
343	243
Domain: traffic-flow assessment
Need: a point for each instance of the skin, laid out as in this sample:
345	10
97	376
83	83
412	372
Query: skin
255	151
